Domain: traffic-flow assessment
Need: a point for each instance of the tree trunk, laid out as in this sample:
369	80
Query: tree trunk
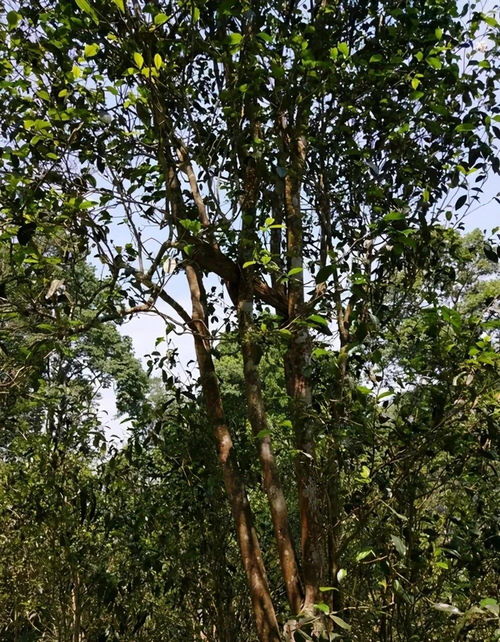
310	504
263	609
256	410
299	389
270	476
76	608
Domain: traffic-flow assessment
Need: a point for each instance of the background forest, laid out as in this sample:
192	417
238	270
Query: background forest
284	183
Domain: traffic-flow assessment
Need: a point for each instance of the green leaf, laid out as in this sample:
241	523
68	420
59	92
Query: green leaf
363	554
158	62
324	273
321	352
438	33
190	225
139	60
465	127
435	63
324	608
340	622
365	472
343	47
265	36
364	390
358	279
395	216
263	433
341	575
120	4
295	270
461	201
86	8
46	326
324	589
316	319
90	50
376	58
491	605
160	19
399	545
490	20
13	19
234	41
490	253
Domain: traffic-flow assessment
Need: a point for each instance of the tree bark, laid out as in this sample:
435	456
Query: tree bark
298	383
208	254
270	477
263	609
256	410
76	609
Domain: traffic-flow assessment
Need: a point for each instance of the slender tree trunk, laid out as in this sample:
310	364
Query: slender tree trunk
262	605
310	505
253	389
263	609
299	388
76	608
271	481
334	529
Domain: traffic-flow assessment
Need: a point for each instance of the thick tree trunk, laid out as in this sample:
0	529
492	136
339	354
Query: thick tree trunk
263	609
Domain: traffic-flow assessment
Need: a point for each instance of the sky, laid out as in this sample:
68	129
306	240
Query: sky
144	329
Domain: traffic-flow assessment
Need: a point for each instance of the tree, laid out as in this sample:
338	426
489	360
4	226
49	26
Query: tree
301	153
52	440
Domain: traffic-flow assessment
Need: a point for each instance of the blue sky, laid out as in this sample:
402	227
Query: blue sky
146	328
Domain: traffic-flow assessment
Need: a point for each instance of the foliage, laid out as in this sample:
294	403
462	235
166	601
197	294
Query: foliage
302	168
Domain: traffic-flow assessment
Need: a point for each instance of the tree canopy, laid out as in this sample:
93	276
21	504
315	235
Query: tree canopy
297	172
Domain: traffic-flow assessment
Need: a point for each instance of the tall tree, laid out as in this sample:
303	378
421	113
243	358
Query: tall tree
302	153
